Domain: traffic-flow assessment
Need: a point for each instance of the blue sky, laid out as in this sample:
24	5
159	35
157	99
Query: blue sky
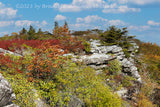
142	17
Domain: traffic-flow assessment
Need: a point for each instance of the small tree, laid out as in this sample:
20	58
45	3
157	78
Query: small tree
40	31
66	24
31	33
113	35
56	24
61	31
23	31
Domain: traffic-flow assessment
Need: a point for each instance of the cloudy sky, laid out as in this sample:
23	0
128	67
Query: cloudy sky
142	17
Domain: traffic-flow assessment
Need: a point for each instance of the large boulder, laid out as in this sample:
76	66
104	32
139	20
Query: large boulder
6	93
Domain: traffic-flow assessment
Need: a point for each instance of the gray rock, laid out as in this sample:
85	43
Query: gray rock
74	102
98	67
126	63
69	54
133	68
110	48
117	49
11	105
96	47
136	74
8	52
120	57
126	70
6	92
97	59
122	92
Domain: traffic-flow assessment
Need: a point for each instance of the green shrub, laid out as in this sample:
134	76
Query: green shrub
127	81
87	46
25	96
82	82
115	67
47	91
127	54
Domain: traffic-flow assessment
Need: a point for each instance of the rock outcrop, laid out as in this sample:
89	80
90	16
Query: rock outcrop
6	93
102	54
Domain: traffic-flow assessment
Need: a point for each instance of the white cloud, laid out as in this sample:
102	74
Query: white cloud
89	19
114	8
109	6
60	17
95	21
44	23
26	23
6	23
3	33
138	2
116	22
89	3
79	5
83	26
139	28
69	8
80	25
79	20
143	2
6	12
153	23
22	23
56	5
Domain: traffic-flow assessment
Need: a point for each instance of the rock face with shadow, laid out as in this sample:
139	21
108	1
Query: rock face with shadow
6	93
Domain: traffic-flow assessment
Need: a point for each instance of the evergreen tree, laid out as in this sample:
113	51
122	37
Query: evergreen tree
40	31
113	35
31	33
23	31
56	24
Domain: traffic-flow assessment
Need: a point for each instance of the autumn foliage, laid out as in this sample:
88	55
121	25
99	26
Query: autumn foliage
45	61
17	44
151	50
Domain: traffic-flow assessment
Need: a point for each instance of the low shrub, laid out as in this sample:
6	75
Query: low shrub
115	67
23	89
87	47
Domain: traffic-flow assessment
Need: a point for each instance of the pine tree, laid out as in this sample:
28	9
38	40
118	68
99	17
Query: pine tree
56	24
23	31
40	31
113	35
31	33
